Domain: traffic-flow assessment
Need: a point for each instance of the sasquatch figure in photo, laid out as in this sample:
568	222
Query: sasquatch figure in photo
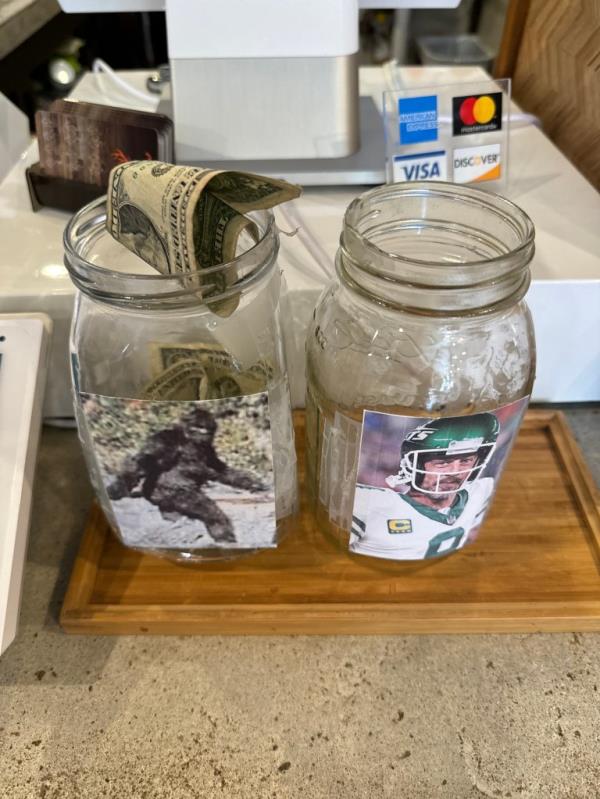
171	469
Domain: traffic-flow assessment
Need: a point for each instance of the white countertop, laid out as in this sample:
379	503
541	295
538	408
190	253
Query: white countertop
564	207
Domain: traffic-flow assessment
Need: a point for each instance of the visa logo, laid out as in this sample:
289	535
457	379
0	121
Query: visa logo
420	166
425	171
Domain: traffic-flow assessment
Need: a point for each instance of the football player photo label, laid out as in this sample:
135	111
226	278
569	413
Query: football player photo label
476	113
425	485
185	474
476	164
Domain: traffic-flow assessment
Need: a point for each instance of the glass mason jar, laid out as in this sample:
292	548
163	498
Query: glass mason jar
420	362
181	394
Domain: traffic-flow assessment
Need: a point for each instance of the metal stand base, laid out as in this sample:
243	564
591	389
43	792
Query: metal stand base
365	167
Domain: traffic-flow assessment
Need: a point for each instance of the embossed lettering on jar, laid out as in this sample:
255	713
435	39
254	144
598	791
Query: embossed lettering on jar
420	363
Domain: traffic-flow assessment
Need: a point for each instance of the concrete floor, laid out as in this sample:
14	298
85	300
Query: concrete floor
175	718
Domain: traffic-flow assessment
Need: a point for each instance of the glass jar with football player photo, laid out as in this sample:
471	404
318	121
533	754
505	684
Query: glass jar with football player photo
181	394
420	363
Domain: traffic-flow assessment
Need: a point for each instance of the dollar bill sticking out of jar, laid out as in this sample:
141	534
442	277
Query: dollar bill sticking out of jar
183	220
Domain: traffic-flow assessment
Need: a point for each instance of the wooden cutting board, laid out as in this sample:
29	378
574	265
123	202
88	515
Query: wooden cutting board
534	567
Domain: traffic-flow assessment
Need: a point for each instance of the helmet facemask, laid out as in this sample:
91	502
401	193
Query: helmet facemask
412	470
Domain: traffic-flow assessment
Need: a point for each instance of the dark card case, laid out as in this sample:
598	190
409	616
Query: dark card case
84	141
57	192
127	117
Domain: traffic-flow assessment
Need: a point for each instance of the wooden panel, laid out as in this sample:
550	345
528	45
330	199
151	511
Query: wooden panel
557	73
535	566
514	27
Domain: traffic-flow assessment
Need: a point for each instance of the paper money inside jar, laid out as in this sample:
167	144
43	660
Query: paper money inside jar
180	384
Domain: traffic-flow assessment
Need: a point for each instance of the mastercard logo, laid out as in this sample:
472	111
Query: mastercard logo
477	113
477	110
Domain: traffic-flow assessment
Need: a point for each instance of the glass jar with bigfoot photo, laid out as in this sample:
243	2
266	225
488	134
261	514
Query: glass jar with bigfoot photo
181	393
420	363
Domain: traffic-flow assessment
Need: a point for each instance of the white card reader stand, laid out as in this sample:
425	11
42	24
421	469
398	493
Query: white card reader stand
24	340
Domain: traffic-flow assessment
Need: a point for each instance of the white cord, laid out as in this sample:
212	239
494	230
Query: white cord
525	119
101	67
310	242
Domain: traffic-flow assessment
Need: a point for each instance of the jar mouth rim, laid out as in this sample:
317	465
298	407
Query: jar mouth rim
447	190
100	202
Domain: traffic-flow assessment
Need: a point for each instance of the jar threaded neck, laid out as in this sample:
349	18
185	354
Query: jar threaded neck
436	247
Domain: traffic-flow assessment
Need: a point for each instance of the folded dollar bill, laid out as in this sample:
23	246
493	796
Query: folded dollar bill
202	371
182	220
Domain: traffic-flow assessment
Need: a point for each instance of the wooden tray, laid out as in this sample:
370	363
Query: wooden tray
534	567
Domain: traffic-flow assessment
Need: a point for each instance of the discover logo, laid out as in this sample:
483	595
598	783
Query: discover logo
475	164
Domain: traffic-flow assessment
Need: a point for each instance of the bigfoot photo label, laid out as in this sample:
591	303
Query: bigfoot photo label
186	475
424	485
